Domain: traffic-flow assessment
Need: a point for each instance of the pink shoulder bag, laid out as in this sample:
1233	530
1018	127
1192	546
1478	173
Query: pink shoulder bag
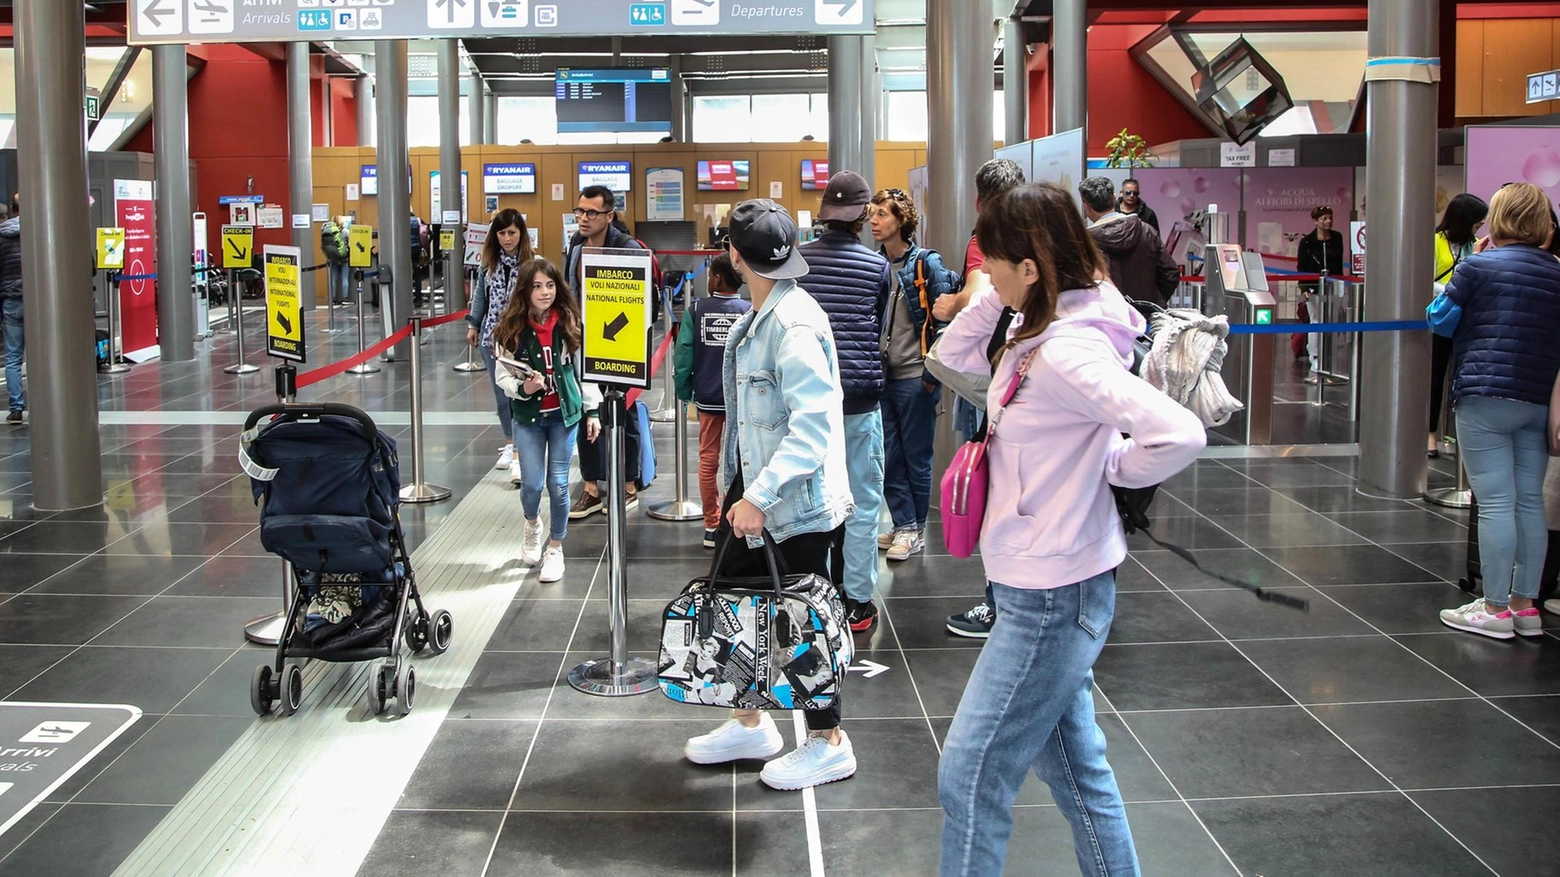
963	500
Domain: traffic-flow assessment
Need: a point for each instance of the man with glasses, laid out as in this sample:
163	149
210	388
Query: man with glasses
1131	202
595	213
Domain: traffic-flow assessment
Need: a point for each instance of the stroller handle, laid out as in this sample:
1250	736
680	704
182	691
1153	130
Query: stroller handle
314	409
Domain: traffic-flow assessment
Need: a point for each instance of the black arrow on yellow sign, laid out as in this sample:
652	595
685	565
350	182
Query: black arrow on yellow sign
238	252
281	320
618	324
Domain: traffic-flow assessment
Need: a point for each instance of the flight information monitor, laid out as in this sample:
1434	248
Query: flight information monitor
614	101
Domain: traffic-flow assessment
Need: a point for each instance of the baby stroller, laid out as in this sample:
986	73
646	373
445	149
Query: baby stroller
328	487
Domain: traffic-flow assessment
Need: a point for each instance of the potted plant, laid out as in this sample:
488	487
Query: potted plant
1128	150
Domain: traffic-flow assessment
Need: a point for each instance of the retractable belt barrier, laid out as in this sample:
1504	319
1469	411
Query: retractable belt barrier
314	376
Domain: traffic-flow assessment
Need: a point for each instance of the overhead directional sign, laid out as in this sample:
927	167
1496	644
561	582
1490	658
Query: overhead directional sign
616	304
238	245
1543	86
360	243
248	21
283	304
110	249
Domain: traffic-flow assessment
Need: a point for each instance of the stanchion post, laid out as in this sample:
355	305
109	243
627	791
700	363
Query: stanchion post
419	490
617	675
469	364
680	508
267	629
330	302
242	367
668	410
366	367
116	364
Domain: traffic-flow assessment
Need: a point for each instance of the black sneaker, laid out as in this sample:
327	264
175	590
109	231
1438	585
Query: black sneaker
14	418
976	623
709	538
862	616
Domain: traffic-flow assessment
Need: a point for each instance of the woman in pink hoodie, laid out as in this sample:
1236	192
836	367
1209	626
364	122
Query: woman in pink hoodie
1051	539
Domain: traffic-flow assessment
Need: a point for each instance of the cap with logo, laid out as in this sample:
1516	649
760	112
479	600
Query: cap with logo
844	197
764	234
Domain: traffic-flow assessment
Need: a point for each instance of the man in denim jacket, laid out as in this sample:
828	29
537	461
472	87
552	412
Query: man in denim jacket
784	471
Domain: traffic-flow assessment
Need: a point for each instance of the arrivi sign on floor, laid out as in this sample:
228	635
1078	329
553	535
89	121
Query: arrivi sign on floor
43	744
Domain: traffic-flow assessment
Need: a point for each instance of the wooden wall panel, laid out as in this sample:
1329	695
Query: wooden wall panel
1470	68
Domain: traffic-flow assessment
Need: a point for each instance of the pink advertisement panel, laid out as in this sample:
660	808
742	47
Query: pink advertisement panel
1495	156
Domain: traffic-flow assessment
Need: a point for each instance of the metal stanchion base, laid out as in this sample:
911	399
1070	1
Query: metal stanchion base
672	510
245	369
266	630
115	368
663	415
366	368
467	366
424	493
638	676
1450	497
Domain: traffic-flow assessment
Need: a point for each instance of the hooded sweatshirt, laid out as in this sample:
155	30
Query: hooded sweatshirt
1050	517
1135	254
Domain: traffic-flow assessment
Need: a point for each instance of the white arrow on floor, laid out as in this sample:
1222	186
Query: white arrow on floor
868	668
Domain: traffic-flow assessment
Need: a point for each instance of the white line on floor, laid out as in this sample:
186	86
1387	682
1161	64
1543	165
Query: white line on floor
810	807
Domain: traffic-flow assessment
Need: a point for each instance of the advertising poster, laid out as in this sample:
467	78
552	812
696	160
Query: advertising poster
476	239
815	174
1498	155
436	197
1058	159
1279	202
723	176
665	185
283	304
133	211
616	304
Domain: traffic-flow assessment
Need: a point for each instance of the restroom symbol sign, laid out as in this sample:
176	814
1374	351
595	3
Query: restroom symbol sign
54	732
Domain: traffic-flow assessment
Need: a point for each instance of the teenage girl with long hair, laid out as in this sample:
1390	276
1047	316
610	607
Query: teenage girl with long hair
539	334
1051	539
508	246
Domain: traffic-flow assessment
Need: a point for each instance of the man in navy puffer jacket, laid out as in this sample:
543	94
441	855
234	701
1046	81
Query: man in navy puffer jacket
851	283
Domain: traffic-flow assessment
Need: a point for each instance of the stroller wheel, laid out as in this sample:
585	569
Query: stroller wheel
415	633
405	689
377	689
440	630
1467	585
260	691
292	689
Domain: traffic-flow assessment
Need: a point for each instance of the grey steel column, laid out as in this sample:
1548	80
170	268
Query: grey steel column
679	101
490	120
476	108
300	164
871	95
327	114
62	391
1069	64
958	95
175	237
1400	213
1015	83
449	170
844	104
363	95
395	203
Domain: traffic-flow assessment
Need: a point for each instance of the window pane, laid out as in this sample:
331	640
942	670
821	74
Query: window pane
782	117
723	119
998	118
527	118
907	115
820	116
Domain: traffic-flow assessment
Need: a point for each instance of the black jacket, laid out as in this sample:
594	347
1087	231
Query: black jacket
1315	256
851	283
1139	265
11	257
1145	213
616	240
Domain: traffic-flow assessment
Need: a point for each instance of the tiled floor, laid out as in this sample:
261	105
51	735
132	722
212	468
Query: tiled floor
1359	738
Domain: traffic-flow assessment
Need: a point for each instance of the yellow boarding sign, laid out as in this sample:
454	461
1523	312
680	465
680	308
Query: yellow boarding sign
283	304
110	249
361	245
447	239
616	302
238	244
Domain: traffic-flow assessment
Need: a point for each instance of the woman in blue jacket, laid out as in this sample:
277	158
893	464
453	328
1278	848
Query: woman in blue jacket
1504	361
508	247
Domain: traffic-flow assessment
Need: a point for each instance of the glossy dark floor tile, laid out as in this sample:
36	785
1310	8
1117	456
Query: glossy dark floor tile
1246	564
153	679
1156	618
1352	669
1523	814
469	766
209	622
119	574
61	619
1349	565
1492	667
1273	531
589	764
622	845
1394	609
1182	675
1403	526
166	761
1241	615
1542	714
64	537
83	840
19	663
452	843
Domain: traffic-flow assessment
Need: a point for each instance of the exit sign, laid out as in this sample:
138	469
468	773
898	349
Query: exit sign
1264	316
92	107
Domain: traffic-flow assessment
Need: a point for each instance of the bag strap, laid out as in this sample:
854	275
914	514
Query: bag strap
770	556
1261	593
1012	390
926	308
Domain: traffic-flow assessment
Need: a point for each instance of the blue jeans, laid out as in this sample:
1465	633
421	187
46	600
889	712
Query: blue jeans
544	450
505	419
1030	704
15	350
909	428
1506	454
967	419
864	463
340	274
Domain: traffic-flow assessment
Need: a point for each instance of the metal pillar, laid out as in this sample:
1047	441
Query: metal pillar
449	172
490	120
395	203
363	96
958	95
871	95
175	236
1015	83
679	101
327	114
844	104
67	464
300	163
1400	210
1069	65
476	108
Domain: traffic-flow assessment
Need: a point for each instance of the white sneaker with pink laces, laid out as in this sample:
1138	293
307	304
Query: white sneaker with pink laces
1477	617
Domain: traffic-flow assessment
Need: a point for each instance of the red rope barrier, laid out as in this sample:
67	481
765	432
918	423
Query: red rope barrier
336	368
447	318
656	361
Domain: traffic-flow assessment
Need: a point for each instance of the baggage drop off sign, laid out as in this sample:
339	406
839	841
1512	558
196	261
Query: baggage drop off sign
283	304
616	303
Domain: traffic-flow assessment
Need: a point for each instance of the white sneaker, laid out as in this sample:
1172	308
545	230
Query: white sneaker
813	763
886	540
514	472
734	741
506	457
1477	617
531	542
1552	606
906	543
552	565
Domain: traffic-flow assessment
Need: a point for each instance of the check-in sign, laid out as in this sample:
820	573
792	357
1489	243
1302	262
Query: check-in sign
110	249
616	301
360	241
238	246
